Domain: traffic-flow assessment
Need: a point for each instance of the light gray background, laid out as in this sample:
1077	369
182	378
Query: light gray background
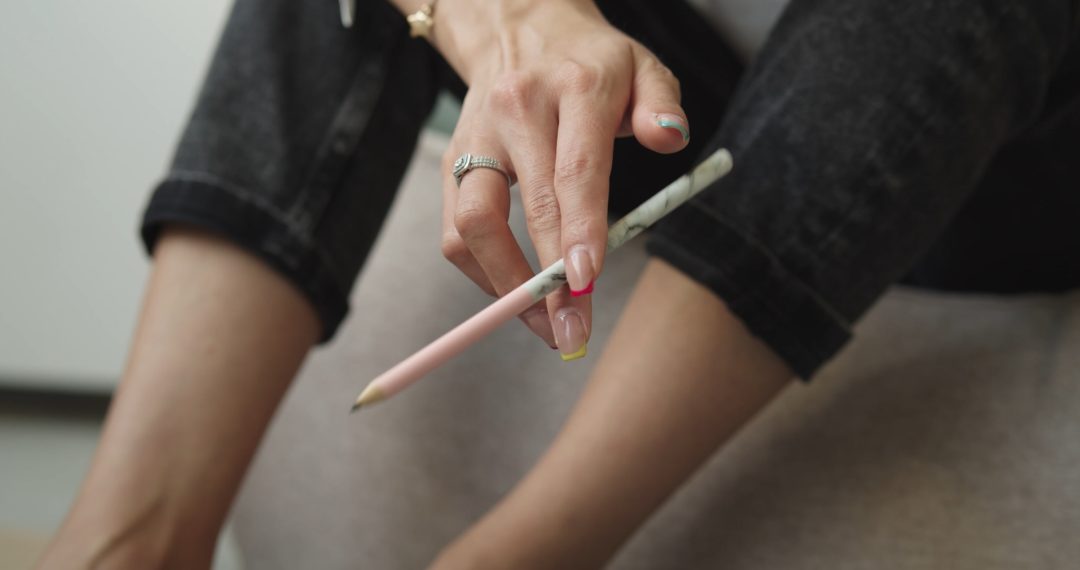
92	98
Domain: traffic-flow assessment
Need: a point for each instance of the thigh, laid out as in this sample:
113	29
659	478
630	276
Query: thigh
299	139
1017	232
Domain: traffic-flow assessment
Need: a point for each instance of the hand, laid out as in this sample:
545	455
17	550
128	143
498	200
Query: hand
551	86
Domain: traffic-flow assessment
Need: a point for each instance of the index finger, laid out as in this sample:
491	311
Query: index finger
584	150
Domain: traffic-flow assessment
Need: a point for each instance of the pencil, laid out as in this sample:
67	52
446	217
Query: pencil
517	301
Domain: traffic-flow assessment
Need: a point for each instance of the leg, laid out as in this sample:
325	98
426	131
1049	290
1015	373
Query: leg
219	339
679	376
292	157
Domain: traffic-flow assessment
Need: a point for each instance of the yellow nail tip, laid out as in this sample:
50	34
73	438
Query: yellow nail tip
579	354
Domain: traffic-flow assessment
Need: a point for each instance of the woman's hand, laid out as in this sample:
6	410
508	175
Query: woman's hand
551	84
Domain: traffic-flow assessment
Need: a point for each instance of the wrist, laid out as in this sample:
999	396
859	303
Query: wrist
112	541
475	35
135	518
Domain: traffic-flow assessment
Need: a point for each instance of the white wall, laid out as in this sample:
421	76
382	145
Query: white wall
92	98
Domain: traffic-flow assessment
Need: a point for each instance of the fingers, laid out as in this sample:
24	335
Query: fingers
466	222
657	119
555	125
480	218
570	316
531	140
477	237
543	219
453	246
587	119
581	177
533	154
589	114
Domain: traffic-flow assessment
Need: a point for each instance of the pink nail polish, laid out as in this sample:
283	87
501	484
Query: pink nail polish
584	291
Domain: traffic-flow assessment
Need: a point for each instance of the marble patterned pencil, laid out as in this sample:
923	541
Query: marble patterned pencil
517	301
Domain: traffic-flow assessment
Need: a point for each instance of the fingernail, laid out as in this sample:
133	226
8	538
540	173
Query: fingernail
579	271
538	322
570	334
579	354
586	291
669	121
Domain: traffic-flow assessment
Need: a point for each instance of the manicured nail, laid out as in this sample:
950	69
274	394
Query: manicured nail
586	291
579	271
538	322
579	354
669	121
570	334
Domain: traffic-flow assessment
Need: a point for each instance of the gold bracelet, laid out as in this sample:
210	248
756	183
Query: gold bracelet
422	20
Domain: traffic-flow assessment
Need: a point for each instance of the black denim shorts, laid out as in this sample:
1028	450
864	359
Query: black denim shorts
873	140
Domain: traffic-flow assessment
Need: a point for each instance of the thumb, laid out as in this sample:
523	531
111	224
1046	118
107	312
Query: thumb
656	118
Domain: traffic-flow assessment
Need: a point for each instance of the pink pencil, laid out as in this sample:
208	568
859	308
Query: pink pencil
517	301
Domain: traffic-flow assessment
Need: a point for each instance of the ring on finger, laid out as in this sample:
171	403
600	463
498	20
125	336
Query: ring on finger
468	162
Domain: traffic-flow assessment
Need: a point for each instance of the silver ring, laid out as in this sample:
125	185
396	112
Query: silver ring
467	162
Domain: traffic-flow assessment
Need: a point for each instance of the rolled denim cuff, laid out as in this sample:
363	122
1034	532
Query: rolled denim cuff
786	314
254	228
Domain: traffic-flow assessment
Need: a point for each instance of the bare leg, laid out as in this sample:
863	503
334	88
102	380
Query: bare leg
678	378
220	337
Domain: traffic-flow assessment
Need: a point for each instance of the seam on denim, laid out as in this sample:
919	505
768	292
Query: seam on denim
350	120
763	249
247	195
339	127
237	190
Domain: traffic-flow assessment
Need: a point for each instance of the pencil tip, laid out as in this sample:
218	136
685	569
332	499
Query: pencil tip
370	395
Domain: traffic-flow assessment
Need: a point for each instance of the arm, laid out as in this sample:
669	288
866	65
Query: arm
680	375
221	336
